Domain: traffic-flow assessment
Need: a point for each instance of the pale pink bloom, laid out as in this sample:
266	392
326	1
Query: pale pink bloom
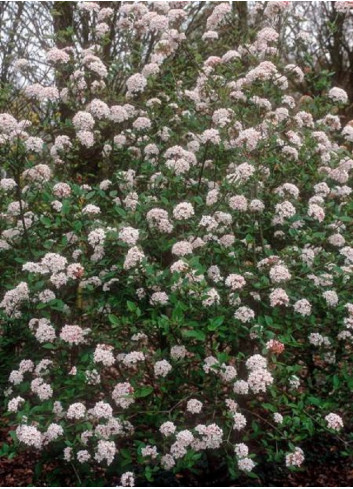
167	429
239	421
212	297
123	395
241	450
296	458
334	422
14	404
76	411
279	297
73	334
194	406
302	307
182	248
167	462
105	451
316	212
183	211
246	464
259	380
244	314
127	479
338	94
162	368
103	354
83	456
29	435
136	83
149	451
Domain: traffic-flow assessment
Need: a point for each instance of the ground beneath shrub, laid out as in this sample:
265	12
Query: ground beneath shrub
22	471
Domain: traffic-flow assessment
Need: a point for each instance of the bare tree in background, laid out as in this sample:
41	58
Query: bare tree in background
319	38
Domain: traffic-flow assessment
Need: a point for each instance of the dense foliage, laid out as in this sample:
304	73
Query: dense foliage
176	254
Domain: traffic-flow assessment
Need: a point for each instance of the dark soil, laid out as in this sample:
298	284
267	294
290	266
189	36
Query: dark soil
20	472
24	470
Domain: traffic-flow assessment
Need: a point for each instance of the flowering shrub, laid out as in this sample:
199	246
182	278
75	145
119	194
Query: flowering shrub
176	256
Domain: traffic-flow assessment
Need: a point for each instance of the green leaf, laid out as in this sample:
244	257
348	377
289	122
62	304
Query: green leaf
113	319
198	335
131	306
4	449
336	381
77	226
269	407
46	221
268	320
66	208
177	314
315	401
125	453
120	211
13	435
345	218
215	323
143	391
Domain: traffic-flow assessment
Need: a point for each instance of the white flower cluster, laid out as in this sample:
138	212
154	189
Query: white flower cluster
334	421
14	298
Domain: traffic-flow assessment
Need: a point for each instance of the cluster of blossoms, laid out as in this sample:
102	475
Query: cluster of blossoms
334	421
296	458
14	298
201	260
244	462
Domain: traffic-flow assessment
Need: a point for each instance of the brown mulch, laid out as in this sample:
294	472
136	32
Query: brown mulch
17	472
20	472
332	479
321	476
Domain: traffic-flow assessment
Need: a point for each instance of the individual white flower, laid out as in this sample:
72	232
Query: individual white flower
183	211
278	418
136	83
334	421
167	429
123	395
302	307
128	479
244	314
296	458
241	450
29	435
162	368
246	464
76	411
235	281
239	421
338	95
194	406
279	273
